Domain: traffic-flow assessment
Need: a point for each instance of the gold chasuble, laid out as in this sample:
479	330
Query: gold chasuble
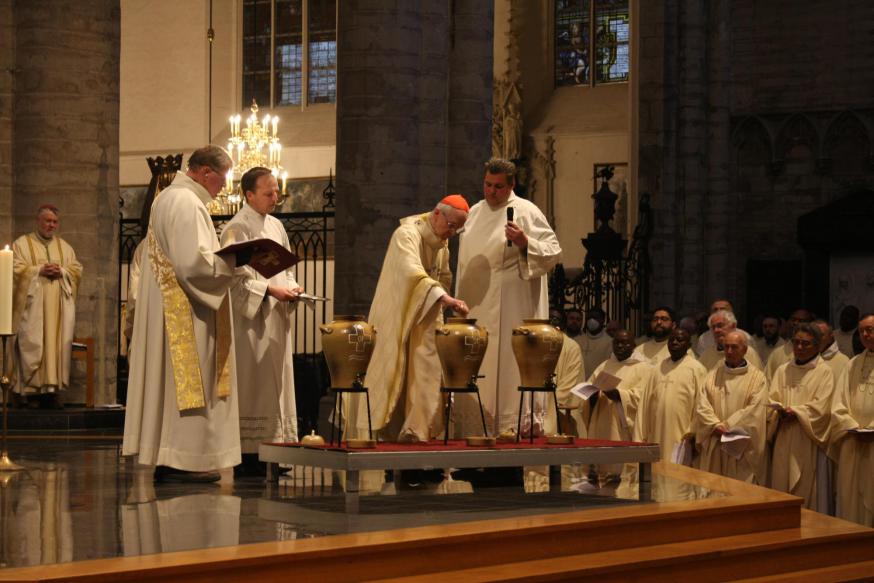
798	461
182	402
405	311
44	313
854	410
735	398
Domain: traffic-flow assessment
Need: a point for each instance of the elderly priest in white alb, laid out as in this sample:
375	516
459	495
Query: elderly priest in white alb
263	310
502	285
182	403
47	276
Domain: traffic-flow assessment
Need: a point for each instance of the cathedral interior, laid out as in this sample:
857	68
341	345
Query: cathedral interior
738	143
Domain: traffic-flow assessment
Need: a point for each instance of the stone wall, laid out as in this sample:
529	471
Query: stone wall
65	139
413	112
7	79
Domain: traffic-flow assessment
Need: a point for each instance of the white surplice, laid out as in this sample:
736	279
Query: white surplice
502	285
653	351
155	430
44	313
262	339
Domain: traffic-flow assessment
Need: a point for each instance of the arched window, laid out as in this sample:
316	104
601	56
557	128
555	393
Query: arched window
275	63
591	35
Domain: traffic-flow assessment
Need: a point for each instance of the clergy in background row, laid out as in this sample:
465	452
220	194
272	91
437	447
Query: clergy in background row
854	452
46	280
770	339
595	343
662	323
568	373
502	275
801	399
263	310
611	414
733	399
721	322
848	320
181	403
411	294
706	340
667	404
829	351
785	354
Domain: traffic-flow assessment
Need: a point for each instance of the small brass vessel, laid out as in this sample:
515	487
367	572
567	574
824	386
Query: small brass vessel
313	439
508	436
560	439
360	443
480	441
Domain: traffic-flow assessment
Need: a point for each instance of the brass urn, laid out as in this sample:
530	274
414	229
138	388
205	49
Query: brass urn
461	346
348	344
536	346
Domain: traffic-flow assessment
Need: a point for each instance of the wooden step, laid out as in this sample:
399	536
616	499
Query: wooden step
861	571
821	542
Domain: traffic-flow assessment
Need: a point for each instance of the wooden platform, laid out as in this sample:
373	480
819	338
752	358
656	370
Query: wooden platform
749	533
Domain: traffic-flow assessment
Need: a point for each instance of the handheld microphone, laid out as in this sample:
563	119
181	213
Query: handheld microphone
509	219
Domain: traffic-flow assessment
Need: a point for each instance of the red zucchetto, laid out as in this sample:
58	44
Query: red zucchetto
456	201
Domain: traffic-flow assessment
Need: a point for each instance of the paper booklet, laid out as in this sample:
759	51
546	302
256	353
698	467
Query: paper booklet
734	442
861	430
268	256
682	453
311	298
603	382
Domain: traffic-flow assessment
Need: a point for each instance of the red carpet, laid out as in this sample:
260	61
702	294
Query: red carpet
454	445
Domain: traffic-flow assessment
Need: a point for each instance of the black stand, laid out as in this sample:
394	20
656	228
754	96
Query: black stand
548	387
357	387
470	388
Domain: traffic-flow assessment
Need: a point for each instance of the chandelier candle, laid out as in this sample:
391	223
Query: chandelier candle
6	290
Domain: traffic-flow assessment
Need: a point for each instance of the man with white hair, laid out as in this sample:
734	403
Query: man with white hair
829	350
47	276
721	323
733	399
411	294
706	340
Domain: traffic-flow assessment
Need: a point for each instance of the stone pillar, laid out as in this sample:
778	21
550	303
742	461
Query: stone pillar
413	118
66	151
7	78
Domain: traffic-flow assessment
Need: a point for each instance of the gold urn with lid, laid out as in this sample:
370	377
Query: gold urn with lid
536	346
461	346
348	343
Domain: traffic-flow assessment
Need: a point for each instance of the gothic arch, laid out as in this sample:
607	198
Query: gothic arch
848	140
797	130
752	149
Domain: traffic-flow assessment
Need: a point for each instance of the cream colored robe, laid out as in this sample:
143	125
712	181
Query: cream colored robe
596	349
713	358
44	313
653	351
777	359
263	338
602	421
405	369
155	430
854	409
836	360
845	341
667	404
765	350
502	285
799	445
735	398
568	373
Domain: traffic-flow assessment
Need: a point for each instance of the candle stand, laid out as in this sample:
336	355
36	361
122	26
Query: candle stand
6	464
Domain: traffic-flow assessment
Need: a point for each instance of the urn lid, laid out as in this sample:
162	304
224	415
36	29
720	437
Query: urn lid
461	320
353	318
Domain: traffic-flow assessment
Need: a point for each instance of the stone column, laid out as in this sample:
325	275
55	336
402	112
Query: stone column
413	112
66	151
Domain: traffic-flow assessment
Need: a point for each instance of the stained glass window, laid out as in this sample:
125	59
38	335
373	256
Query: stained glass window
280	23
591	35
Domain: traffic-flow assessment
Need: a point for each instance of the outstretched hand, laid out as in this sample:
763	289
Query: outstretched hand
455	305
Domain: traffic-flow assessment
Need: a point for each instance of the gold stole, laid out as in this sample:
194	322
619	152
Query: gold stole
179	326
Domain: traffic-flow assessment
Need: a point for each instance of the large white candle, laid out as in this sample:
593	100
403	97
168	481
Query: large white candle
6	290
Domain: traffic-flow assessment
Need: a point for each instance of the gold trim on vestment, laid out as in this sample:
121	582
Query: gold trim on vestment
179	326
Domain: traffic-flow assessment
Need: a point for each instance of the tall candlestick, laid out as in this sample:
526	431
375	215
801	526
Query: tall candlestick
275	123
284	181
6	291
229	181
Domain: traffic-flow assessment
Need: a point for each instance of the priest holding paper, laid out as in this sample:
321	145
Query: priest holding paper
182	403
729	424
263	309
47	276
800	402
610	413
505	255
667	404
411	294
852	434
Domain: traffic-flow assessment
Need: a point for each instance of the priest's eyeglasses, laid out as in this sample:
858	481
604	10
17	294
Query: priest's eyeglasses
453	227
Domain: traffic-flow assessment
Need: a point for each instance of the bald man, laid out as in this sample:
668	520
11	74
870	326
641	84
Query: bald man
830	351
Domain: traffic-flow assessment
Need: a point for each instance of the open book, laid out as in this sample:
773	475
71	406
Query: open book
268	256
603	382
734	442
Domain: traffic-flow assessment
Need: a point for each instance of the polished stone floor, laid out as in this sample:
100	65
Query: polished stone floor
78	500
